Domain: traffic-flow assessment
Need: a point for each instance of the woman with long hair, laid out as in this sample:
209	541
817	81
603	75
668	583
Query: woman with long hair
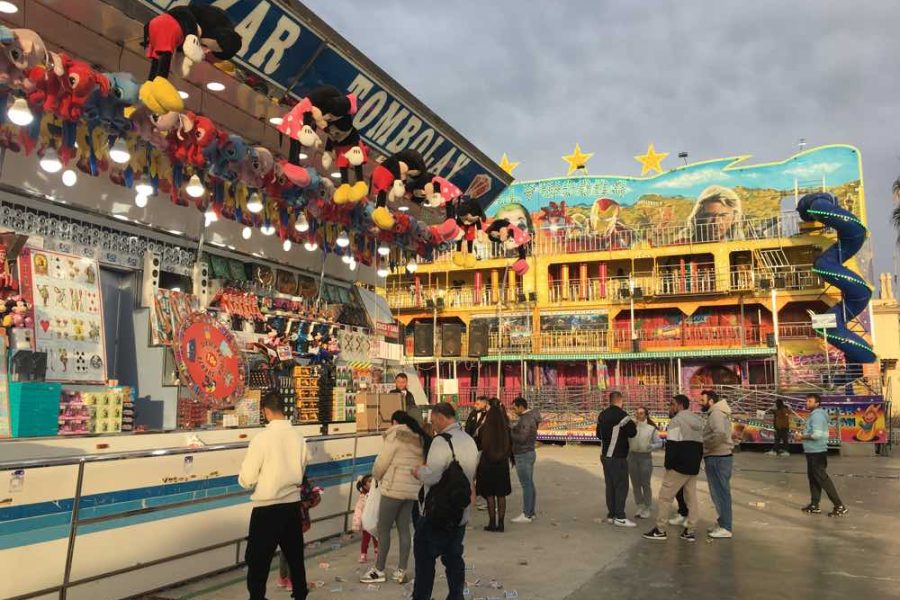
640	461
492	477
405	447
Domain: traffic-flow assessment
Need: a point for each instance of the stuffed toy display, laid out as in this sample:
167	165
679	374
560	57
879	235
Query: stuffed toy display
194	30
22	50
469	217
389	183
510	236
327	109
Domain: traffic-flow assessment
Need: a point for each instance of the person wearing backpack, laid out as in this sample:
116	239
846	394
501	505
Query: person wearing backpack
445	504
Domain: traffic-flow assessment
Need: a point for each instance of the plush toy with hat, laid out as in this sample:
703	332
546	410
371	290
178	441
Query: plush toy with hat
193	30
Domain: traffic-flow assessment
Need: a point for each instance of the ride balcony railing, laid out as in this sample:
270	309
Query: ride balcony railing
691	335
574	238
452	297
581	340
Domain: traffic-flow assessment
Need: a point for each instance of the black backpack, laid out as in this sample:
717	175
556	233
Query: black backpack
448	499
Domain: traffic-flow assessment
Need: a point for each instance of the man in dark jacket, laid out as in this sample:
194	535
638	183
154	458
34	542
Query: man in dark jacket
476	419
614	427
684	451
401	383
524	436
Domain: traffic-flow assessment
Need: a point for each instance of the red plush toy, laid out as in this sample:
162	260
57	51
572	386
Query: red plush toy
389	183
195	135
78	82
194	30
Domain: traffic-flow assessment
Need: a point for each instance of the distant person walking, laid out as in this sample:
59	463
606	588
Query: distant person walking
719	460
781	415
640	461
401	452
815	445
684	453
492	478
273	467
524	438
614	428
452	457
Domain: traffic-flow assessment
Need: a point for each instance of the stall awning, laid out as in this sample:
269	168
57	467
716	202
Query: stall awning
706	353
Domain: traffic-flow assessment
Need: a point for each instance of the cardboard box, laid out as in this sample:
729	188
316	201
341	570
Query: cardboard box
373	411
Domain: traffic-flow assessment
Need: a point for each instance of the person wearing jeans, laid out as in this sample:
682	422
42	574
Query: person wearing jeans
815	445
719	460
524	437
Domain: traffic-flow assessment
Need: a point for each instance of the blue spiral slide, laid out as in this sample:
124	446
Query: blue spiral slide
855	292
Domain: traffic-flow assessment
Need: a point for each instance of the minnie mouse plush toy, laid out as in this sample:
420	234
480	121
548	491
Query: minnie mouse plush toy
193	29
501	231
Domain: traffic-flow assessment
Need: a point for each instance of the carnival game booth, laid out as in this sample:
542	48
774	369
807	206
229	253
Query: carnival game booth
173	248
751	279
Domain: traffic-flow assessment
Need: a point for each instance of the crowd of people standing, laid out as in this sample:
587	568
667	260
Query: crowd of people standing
427	481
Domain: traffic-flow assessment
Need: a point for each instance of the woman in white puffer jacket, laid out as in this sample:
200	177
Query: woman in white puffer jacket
403	449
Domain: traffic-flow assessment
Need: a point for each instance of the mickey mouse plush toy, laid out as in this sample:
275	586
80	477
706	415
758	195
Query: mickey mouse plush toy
326	108
389	183
469	217
193	29
501	231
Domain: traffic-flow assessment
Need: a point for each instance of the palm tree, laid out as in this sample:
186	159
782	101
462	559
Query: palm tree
895	216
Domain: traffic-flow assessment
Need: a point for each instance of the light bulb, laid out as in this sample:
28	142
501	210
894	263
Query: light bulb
69	178
286	246
302	224
267	229
141	200
342	240
382	272
383	250
210	216
310	246
183	95
195	187
215	86
8	8
19	113
345	259
254	204
352	264
247	232
412	266
276	121
50	161
143	187
119	152
303	156
403	208
336	174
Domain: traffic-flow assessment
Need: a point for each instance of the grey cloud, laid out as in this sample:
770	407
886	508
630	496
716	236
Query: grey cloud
714	78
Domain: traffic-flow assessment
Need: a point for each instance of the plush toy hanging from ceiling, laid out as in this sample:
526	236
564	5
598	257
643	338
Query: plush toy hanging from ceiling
328	109
389	183
435	192
469	217
510	236
193	29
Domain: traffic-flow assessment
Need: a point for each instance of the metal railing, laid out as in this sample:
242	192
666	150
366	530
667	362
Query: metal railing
581	340
77	522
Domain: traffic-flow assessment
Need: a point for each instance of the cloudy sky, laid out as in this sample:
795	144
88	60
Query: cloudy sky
715	79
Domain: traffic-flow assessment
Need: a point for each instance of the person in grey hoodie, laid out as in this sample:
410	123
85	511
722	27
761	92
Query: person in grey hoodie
524	435
719	460
684	452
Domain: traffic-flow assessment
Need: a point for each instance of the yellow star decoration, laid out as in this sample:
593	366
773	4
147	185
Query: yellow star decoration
507	165
577	160
652	161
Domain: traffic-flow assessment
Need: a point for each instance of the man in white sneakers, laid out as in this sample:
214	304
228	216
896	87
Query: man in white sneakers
718	459
614	427
684	452
274	466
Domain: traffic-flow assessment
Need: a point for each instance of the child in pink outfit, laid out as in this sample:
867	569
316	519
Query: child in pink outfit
363	485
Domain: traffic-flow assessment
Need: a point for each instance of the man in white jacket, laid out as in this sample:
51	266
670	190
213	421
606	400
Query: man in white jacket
274	466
